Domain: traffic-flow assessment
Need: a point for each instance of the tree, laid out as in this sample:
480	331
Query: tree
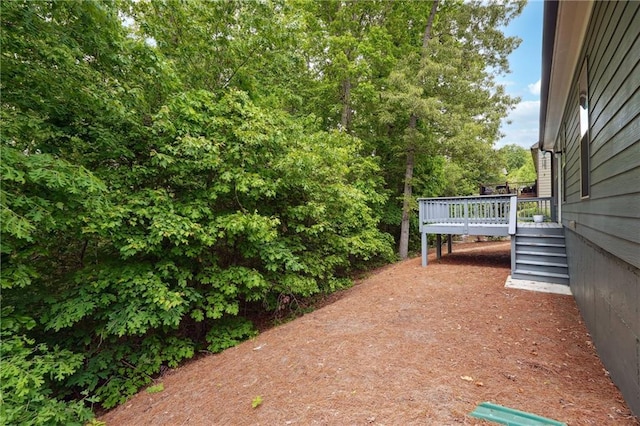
247	45
348	48
450	90
514	156
50	50
142	211
411	148
166	172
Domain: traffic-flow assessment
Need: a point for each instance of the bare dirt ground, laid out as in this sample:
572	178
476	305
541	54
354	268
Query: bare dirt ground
406	345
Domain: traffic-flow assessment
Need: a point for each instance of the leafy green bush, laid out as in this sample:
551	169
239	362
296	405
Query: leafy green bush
139	219
28	374
231	206
42	200
228	333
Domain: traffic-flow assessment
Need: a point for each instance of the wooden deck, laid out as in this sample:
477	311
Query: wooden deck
490	215
543	225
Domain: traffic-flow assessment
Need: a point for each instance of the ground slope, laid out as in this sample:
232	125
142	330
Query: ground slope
407	345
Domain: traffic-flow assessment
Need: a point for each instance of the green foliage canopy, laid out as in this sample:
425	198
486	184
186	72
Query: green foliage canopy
162	175
518	163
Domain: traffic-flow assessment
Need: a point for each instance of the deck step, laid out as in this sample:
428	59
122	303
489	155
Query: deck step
540	255
558	258
542	274
541	248
540	244
539	231
527	252
549	277
541	269
538	235
541	263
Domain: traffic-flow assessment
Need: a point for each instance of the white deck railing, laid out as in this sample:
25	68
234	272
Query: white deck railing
527	207
462	214
493	215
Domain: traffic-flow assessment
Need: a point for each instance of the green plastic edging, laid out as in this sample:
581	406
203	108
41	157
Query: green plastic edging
509	416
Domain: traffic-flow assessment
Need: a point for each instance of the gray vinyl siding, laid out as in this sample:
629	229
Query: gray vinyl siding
603	230
610	217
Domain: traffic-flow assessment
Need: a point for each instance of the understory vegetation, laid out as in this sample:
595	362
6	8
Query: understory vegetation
168	166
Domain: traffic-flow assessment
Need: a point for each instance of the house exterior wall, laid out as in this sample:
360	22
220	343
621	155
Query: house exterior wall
603	229
607	292
544	174
610	215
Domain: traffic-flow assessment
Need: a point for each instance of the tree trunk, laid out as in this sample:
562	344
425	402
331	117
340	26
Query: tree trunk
427	30
403	249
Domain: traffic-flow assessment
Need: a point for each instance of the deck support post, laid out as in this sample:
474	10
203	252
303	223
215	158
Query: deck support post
438	246
424	249
449	243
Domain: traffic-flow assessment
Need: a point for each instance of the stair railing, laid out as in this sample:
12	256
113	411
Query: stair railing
527	207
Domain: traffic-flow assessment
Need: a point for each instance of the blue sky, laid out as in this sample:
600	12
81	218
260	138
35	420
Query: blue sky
524	80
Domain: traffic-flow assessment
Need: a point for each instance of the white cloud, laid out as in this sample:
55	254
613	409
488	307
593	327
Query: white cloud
528	110
524	127
534	88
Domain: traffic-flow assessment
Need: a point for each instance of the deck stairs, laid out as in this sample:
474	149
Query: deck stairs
539	254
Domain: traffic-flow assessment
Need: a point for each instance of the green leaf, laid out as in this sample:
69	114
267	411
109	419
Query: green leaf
155	388
256	402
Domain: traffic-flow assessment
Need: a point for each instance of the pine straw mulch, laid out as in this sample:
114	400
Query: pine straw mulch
405	345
